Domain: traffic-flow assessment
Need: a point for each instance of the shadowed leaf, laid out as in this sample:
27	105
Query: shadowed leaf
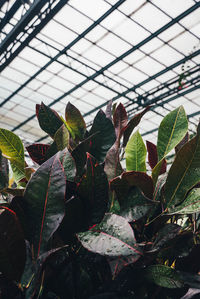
4	172
113	166
49	119
112	237
190	205
129	179
164	276
185	139
93	190
105	138
12	249
68	164
167	233
108	111
44	202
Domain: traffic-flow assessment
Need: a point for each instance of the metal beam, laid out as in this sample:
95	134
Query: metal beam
29	30
2	2
77	39
9	14
146	40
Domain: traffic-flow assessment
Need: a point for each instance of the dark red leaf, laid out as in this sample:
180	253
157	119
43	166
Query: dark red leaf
93	190
38	152
113	166
12	249
133	178
108	111
120	120
153	157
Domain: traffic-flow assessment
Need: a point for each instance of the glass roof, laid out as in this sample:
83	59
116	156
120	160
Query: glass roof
134	52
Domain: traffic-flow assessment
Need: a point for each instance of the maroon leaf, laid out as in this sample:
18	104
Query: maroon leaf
12	249
93	190
117	264
120	120
44	203
113	166
49	120
108	111
132	124
152	154
134	178
153	157
38	152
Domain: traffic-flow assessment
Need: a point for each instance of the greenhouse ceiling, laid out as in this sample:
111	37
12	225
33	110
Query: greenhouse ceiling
89	52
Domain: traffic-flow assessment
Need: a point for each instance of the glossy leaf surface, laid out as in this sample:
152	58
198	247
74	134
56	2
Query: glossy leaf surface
68	164
44	199
164	276
184	172
38	152
113	166
49	119
135	153
61	138
104	138
75	122
171	131
12	147
112	237
12	249
190	205
4	172
93	190
135	205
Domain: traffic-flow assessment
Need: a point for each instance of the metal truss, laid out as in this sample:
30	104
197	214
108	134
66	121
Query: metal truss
101	71
35	18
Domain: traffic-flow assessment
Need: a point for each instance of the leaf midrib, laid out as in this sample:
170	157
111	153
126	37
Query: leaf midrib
11	146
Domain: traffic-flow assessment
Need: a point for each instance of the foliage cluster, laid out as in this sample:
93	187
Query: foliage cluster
77	225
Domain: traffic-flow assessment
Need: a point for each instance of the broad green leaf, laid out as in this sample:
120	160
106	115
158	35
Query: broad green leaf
4	172
12	147
12	249
190	205
171	131
44	201
49	120
112	237
75	122
135	153
135	205
104	138
164	276
184	172
61	138
93	191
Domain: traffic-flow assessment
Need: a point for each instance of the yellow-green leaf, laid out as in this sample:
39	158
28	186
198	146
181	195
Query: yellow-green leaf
61	138
135	153
12	148
75	122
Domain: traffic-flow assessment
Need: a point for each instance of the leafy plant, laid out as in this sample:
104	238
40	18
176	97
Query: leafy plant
77	225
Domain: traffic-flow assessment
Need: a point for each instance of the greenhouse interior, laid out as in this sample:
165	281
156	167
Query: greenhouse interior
99	149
